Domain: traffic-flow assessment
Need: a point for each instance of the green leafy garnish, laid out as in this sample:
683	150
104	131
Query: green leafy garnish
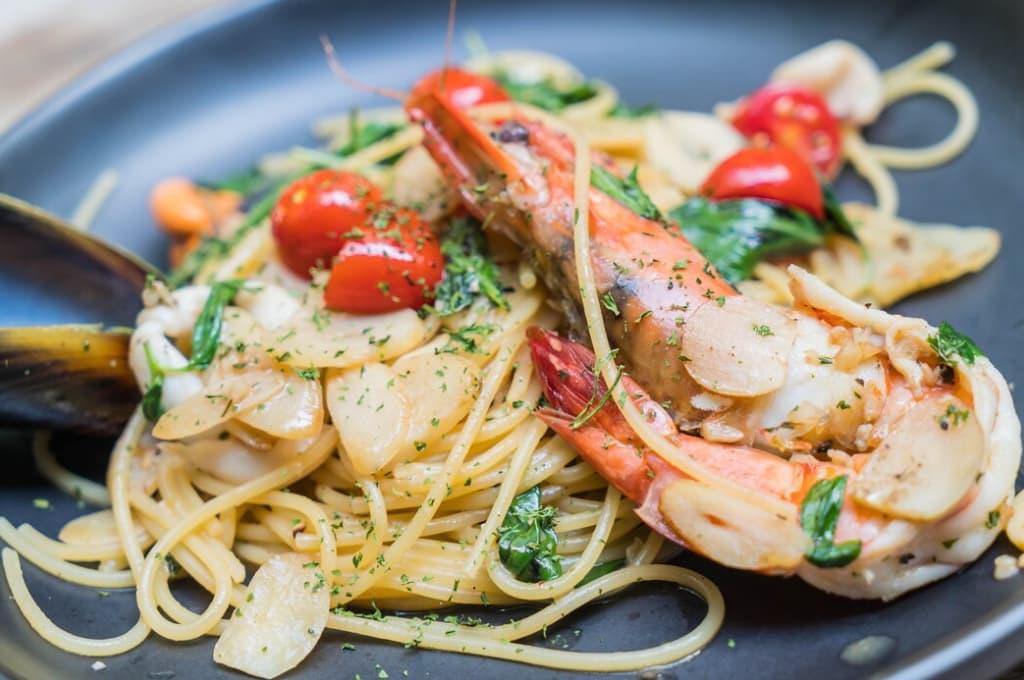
246	182
835	219
948	343
818	516
737	234
367	134
597	398
599	570
152	407
993	519
544	94
462	338
625	190
621	110
206	333
469	270
527	543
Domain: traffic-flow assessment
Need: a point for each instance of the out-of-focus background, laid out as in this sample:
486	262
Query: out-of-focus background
46	43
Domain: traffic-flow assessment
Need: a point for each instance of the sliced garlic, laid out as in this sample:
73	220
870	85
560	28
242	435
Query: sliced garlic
926	464
371	413
730	531
739	348
283	616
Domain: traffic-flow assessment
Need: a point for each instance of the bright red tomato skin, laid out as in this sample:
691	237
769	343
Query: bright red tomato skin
390	267
796	118
772	174
464	88
312	216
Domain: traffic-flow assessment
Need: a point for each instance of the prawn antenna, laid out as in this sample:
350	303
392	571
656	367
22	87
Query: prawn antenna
341	74
450	35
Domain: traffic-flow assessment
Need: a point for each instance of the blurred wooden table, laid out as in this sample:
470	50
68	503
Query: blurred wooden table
52	41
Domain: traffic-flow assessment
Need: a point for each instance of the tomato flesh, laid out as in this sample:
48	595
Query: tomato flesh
772	174
463	88
395	264
796	118
315	213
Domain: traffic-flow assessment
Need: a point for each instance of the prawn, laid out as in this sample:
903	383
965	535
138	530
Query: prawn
851	447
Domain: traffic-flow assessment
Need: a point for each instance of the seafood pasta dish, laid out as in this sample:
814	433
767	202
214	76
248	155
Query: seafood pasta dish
515	341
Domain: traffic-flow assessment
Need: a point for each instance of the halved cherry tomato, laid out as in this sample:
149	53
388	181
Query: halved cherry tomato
464	88
311	219
394	264
772	173
796	118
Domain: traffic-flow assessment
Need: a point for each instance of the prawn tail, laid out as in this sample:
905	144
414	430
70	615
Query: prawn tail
598	432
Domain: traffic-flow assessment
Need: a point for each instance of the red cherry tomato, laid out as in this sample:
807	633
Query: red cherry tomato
796	118
772	173
395	264
313	215
464	88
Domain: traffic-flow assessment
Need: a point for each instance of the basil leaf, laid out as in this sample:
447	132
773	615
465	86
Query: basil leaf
625	190
621	110
469	270
737	234
206	332
599	570
527	543
835	219
368	134
152	398
247	182
819	514
545	94
948	343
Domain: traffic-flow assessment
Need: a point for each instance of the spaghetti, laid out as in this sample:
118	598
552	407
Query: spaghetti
420	530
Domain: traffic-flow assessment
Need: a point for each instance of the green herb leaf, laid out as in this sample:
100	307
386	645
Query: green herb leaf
818	516
835	219
152	406
469	270
247	182
527	543
621	110
206	333
949	344
545	94
367	134
625	190
737	234
599	570
462	338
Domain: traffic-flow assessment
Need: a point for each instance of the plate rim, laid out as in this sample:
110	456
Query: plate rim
983	647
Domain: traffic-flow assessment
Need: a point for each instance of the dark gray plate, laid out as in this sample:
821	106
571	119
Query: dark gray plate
210	95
